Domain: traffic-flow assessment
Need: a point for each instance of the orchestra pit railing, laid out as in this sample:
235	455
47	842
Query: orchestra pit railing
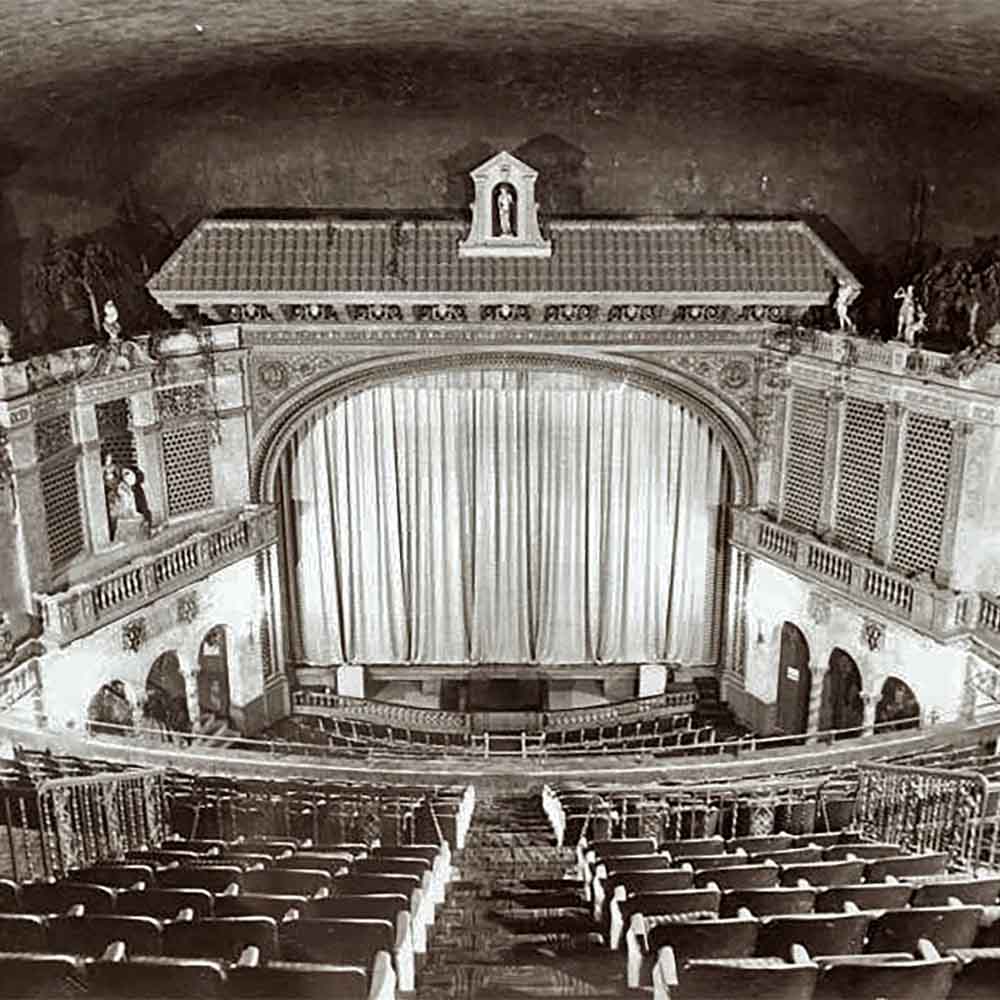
65	823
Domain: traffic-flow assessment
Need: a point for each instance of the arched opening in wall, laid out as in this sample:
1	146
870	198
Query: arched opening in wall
527	512
213	679
111	709
794	681
166	696
842	705
897	707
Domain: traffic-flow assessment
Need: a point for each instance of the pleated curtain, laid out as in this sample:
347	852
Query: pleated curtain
502	517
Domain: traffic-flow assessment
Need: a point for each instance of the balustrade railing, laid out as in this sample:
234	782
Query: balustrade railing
924	809
778	541
18	682
86	606
989	614
830	564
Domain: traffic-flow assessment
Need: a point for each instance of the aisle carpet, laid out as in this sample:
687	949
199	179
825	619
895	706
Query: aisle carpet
515	924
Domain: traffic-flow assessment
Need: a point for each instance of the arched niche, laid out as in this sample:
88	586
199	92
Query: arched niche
794	680
842	705
166	695
213	677
897	706
111	709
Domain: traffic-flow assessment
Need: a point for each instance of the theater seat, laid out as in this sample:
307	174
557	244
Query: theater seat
827	933
946	927
927	976
24	932
91	934
43	976
221	938
147	978
652	904
866	896
726	979
251	904
769	902
978	976
58	897
165	904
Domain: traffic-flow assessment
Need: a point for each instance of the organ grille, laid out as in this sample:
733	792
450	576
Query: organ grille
923	493
187	468
860	474
61	503
804	459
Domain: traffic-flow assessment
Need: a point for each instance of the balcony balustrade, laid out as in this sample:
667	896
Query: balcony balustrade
914	601
88	605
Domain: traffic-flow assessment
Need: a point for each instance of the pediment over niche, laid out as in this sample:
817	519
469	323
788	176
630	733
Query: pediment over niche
504	212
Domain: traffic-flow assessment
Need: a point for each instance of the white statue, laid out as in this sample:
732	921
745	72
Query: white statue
911	318
126	494
112	325
505	201
846	294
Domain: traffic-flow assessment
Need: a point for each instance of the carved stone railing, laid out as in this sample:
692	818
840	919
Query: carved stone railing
916	602
677	702
91	604
924	809
18	682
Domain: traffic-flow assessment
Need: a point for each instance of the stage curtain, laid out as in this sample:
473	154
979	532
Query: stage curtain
502	517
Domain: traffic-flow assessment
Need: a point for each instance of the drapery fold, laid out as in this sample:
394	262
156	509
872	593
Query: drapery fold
502	517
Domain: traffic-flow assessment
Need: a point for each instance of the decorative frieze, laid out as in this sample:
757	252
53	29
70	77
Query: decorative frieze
245	312
312	312
505	313
182	401
374	312
571	312
440	312
711	313
637	313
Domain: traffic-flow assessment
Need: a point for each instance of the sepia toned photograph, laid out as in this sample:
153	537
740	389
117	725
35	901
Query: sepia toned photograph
500	501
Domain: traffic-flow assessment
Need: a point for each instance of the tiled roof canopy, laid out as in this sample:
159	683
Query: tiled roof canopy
245	256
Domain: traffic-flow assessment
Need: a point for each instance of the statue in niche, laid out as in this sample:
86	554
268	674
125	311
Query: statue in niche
111	323
505	202
127	515
6	637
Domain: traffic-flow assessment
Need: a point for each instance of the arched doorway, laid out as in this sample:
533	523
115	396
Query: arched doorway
897	707
843	707
166	695
794	681
110	709
213	678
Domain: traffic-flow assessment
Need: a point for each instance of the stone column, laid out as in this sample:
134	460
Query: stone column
149	452
888	498
837	402
815	704
782	417
868	719
945	570
24	530
95	504
190	672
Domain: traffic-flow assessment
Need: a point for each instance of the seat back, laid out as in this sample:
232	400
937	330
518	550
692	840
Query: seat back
622	848
706	980
694	847
978	973
907	865
146	978
667	880
164	904
221	937
339	941
740	877
867	852
391	866
824	873
898	980
636	863
91	934
768	902
693	939
945	927
43	976
58	897
790	856
866	896
972	892
213	878
305	981
115	876
426	851
286	881
371	884
254	904
818	933
323	861
24	932
762	844
10	896
381	906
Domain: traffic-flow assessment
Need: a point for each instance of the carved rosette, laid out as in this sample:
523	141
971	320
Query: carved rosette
187	607
505	313
571	312
873	634
819	608
134	634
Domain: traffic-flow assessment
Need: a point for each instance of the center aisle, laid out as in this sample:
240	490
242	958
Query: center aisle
515	923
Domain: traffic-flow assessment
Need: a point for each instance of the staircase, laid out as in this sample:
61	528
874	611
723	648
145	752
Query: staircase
712	711
514	924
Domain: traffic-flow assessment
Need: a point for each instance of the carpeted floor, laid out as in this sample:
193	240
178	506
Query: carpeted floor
514	925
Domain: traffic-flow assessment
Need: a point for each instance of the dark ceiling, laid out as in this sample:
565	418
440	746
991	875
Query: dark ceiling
837	106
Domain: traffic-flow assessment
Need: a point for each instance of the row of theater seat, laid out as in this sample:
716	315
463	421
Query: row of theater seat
211	901
675	914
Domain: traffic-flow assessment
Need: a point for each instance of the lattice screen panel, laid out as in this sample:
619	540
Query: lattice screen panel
804	457
61	503
114	430
860	473
923	492
187	468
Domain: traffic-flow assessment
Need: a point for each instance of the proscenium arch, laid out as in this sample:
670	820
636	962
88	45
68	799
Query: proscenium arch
733	432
